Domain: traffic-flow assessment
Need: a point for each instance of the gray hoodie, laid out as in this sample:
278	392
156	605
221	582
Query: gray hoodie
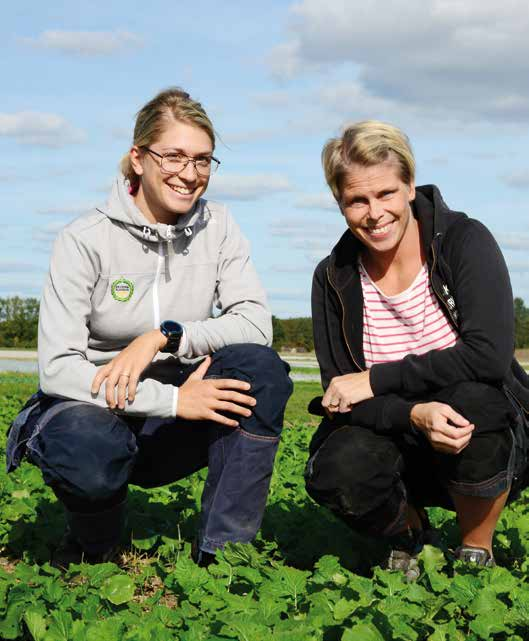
114	276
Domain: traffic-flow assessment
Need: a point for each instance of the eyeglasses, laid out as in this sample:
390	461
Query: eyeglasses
175	162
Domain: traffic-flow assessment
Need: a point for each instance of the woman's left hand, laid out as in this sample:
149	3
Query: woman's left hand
125	369
347	390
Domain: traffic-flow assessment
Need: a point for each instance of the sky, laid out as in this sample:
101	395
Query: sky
277	79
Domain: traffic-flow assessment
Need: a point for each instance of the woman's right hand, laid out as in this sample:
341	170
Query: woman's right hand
447	431
202	399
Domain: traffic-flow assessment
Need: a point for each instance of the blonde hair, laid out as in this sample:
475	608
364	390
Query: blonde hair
366	143
153	117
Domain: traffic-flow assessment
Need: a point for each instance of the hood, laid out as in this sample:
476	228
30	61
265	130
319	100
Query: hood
122	208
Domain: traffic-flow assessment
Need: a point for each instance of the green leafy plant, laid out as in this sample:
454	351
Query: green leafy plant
305	578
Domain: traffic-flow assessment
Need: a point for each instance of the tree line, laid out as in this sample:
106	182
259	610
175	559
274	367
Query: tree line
19	319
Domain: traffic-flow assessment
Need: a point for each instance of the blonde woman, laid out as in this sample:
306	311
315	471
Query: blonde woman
139	383
413	326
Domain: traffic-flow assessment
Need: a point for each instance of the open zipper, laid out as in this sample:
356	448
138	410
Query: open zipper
361	369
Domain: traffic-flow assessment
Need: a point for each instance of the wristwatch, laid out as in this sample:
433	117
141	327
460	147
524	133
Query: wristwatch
174	332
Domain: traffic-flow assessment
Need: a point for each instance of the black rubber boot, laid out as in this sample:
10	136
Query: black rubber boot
201	558
91	538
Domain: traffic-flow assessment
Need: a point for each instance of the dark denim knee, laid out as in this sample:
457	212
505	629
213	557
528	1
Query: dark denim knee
270	384
85	451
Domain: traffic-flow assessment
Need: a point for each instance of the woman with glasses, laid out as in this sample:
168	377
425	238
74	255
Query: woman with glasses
139	383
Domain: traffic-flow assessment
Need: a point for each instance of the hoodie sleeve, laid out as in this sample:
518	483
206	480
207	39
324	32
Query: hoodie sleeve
64	321
240	297
484	351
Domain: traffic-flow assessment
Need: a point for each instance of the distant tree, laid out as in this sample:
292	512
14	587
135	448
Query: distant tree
521	324
279	333
19	319
293	333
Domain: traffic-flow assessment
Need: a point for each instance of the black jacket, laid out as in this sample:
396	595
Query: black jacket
469	277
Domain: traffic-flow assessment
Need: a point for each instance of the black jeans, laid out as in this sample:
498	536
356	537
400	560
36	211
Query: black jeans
368	479
89	455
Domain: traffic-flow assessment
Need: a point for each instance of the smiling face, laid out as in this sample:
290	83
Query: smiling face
376	205
162	196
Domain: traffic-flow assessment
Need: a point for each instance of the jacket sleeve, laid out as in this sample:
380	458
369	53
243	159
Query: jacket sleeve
240	297
387	413
64	320
483	295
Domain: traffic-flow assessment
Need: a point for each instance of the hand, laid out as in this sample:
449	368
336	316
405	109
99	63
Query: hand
344	391
446	430
201	399
125	369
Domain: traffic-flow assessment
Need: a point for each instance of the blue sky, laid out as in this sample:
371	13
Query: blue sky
277	79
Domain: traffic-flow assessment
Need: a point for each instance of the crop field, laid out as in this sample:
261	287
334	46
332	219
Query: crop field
306	577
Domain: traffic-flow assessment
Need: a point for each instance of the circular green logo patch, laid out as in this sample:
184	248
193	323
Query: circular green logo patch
122	290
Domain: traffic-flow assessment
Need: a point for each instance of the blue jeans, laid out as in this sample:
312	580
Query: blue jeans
89	455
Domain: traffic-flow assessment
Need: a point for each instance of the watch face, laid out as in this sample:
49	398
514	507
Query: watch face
170	327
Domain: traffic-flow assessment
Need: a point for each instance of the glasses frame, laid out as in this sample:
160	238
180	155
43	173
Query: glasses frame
189	159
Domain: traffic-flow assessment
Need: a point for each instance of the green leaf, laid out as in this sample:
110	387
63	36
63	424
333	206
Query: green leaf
464	589
362	632
60	627
187	575
432	562
145	543
486	602
486	624
343	608
329	570
36	623
118	589
391	582
107	630
99	573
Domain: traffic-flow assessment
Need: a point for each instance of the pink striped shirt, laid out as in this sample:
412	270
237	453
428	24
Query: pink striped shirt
411	322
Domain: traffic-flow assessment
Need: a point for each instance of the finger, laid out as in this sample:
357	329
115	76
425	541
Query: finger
229	383
455	432
330	400
133	386
233	408
102	373
223	420
123	382
236	397
454	417
201	370
327	397
344	406
110	391
452	444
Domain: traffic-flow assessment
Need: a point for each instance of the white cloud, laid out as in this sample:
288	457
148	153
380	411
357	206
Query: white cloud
462	59
239	187
289	294
43	236
43	129
85	43
72	210
324	200
518	266
517	180
18	267
251	136
513	240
